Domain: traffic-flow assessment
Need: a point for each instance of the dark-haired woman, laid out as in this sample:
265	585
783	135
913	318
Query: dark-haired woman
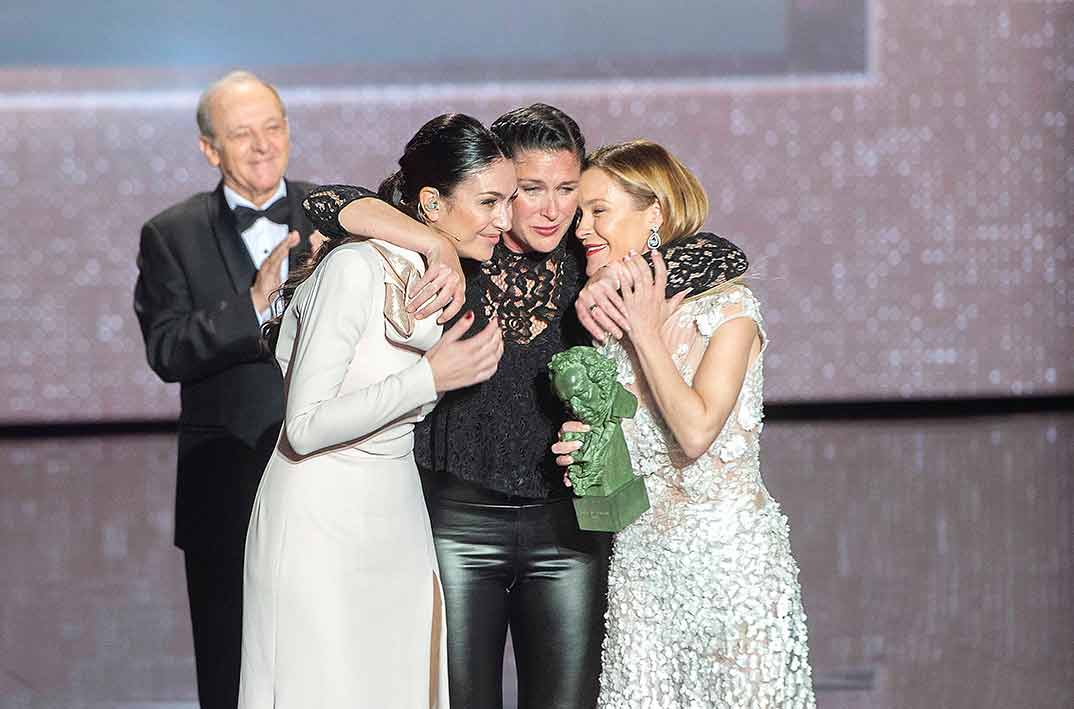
342	594
511	554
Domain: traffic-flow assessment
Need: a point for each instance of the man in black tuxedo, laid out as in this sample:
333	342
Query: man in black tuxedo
207	267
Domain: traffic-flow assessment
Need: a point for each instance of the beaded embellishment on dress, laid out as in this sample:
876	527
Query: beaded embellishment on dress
704	605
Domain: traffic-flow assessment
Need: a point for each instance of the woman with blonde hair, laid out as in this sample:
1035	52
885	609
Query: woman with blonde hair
704	605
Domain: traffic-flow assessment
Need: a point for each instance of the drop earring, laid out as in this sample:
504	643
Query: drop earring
653	242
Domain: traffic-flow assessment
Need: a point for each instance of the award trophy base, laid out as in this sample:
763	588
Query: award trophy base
612	513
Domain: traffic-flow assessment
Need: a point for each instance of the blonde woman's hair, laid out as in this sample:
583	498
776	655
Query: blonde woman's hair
649	173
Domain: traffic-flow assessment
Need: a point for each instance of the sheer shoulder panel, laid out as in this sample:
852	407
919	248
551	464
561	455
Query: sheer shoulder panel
525	291
712	311
324	204
701	262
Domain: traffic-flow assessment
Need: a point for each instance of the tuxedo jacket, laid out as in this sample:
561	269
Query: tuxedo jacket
200	329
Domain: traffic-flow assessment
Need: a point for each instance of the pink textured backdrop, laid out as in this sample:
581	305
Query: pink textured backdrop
909	227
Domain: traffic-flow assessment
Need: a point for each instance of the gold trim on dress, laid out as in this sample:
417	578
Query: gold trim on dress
399	275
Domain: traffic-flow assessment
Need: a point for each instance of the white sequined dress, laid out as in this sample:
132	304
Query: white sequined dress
704	605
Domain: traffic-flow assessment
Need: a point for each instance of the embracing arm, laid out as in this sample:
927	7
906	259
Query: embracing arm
697	263
380	220
338	210
700	262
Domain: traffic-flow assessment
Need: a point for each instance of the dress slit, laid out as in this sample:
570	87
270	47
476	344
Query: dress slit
435	632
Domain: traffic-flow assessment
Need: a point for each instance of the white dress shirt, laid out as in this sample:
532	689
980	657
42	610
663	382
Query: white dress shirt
262	236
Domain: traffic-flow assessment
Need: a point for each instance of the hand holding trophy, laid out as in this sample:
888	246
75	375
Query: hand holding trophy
610	496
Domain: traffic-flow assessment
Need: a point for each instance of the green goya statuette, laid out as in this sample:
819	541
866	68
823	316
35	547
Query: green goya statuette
609	495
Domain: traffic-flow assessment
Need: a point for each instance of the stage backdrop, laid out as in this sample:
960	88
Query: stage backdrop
898	172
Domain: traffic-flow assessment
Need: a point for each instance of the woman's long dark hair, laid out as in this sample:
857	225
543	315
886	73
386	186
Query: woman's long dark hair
443	153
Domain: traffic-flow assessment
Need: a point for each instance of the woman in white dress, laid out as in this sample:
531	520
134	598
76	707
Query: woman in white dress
704	605
342	593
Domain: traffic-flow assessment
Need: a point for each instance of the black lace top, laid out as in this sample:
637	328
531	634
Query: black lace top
498	434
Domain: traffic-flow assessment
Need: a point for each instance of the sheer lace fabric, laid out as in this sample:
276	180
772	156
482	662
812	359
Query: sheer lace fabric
704	605
324	204
497	434
525	292
699	265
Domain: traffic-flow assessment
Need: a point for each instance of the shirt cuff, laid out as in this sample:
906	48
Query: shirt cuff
268	313
262	316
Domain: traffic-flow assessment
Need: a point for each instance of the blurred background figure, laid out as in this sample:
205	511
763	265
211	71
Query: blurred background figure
898	172
207	268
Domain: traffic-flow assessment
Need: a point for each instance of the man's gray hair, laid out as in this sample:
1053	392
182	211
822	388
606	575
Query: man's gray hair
205	102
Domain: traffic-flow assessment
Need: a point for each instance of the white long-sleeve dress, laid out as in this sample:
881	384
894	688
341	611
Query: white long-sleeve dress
342	598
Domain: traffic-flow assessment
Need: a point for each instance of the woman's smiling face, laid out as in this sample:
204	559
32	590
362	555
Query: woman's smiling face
611	224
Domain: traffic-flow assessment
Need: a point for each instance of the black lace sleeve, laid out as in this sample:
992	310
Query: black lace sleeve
701	262
324	204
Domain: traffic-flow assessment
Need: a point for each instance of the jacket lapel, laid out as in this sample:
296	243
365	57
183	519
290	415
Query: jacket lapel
299	222
237	261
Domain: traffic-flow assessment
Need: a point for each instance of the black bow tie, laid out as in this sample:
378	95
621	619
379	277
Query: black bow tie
279	212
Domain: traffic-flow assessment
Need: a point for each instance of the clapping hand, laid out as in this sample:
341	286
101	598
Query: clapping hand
268	280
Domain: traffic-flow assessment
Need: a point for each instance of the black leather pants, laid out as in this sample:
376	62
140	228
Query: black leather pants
524	564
